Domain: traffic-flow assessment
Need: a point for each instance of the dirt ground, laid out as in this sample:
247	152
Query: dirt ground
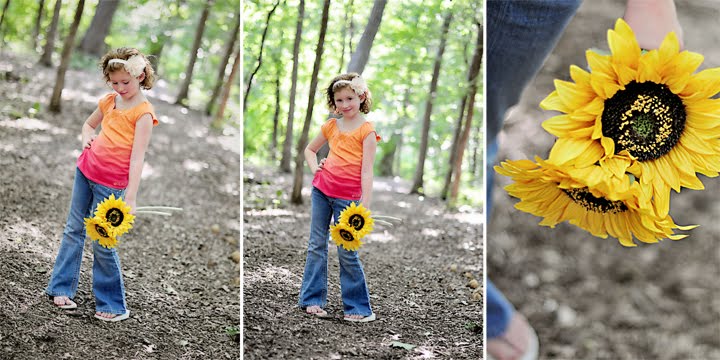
419	273
183	286
590	298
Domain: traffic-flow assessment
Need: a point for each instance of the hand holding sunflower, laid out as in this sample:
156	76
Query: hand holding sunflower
354	223
113	218
639	124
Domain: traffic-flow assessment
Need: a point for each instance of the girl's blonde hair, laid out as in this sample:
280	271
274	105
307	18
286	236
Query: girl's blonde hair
345	80
125	53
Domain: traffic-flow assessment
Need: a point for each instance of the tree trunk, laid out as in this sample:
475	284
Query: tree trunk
473	80
46	58
453	148
296	197
217	123
2	17
276	118
387	163
287	144
93	43
262	44
65	59
223	65
38	22
156	47
477	149
185	87
422	150
362	53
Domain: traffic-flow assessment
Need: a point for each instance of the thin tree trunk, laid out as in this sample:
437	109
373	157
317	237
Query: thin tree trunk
65	59
185	87
473	80
46	58
422	150
2	17
223	65
477	148
296	197
218	122
93	43
453	148
287	144
362	53
260	55
162	39
38	21
276	119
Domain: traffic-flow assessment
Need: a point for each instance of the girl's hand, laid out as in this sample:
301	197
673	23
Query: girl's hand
88	141
321	164
131	204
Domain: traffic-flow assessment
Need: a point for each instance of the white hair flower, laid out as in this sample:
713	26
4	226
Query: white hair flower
135	65
357	84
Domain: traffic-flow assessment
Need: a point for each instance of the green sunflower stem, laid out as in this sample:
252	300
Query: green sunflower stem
382	222
385	217
152	212
140	208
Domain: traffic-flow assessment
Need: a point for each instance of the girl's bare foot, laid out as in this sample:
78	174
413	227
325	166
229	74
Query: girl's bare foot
111	317
64	302
316	310
360	318
519	342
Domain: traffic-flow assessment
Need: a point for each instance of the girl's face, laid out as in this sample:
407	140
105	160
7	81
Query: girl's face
125	84
347	102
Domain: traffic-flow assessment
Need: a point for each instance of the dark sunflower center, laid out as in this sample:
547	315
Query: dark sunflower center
101	230
346	235
646	119
114	216
357	221
590	202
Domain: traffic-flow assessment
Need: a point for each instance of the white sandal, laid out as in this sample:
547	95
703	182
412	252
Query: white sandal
368	318
117	317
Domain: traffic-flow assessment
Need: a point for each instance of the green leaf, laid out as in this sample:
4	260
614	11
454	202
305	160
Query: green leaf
398	344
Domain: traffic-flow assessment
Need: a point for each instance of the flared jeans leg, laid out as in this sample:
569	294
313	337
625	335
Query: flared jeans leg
108	286
355	293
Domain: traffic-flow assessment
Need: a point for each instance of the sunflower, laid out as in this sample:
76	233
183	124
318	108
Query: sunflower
648	109
357	217
345	236
562	194
99	231
116	214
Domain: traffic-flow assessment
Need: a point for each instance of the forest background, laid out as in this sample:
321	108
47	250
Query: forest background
181	273
418	60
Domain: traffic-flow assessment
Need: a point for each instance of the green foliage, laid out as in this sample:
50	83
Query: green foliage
147	25
401	62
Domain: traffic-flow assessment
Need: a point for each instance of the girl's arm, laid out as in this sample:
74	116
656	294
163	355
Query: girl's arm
143	130
88	128
311	152
366	175
651	20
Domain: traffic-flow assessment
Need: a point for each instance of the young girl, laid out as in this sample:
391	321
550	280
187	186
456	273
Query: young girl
111	163
346	176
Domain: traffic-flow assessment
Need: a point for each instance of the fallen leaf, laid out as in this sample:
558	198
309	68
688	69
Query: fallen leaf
405	346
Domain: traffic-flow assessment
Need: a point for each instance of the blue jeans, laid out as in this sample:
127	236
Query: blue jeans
355	294
107	278
520	35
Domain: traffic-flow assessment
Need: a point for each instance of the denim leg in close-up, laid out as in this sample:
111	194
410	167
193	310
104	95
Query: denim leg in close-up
520	36
108	286
314	285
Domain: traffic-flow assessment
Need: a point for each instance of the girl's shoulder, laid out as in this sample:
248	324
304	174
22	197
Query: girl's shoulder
368	128
107	102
